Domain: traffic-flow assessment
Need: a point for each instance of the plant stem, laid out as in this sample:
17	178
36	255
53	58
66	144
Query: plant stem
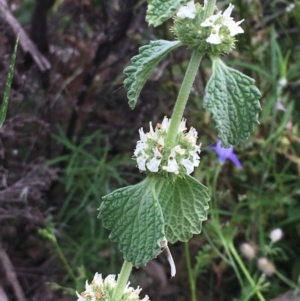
287	281
209	8
183	97
122	281
186	85
245	271
64	260
190	272
215	213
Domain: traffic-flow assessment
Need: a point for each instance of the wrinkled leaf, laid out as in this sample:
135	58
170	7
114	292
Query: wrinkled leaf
159	11
232	98
143	64
139	216
184	204
135	218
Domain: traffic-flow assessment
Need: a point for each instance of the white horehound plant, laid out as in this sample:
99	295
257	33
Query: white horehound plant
169	205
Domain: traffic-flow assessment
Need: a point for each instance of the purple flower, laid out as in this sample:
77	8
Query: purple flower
226	153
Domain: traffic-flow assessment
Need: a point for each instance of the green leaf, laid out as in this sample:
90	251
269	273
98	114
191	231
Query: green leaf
3	108
135	218
232	98
184	204
139	216
159	11
143	64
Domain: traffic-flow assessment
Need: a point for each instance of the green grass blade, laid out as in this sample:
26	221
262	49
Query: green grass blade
4	104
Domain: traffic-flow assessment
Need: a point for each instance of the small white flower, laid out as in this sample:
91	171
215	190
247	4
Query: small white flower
187	11
191	136
138	290
139	147
290	7
98	279
110	281
188	164
227	12
179	150
228	21
165	124
214	37
234	27
143	136
172	164
141	160
152	134
248	250
276	235
210	21
196	158
153	164
217	21
151	128
197	148
88	288
133	295
161	141
80	298
266	266
182	126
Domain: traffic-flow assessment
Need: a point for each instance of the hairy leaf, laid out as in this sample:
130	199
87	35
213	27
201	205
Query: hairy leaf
159	11
184	204
135	218
143	64
232	98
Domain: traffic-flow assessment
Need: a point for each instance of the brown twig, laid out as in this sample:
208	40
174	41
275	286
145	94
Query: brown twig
3	296
11	275
24	40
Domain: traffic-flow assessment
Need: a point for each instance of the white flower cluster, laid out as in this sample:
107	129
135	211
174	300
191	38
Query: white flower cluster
263	263
152	155
215	21
100	290
219	20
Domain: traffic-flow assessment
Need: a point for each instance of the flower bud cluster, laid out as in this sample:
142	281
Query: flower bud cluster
152	154
213	35
102	290
264	264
